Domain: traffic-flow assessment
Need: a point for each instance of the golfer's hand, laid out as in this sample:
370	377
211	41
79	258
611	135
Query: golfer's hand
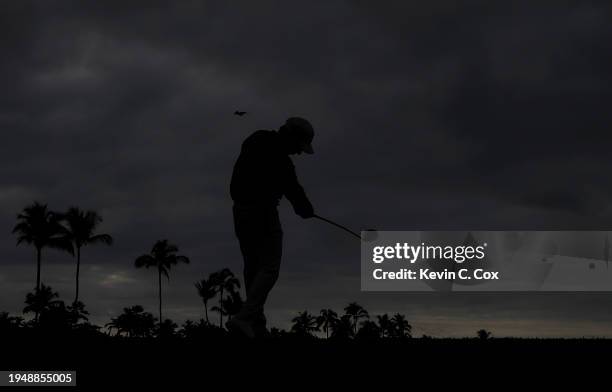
305	212
306	216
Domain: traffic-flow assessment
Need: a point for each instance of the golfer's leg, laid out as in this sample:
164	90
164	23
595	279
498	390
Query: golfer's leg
259	324
272	263
265	277
247	228
250	246
250	256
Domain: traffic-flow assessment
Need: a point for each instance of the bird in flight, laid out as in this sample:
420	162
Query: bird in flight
239	113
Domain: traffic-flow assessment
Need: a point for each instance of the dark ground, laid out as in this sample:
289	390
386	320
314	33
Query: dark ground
288	363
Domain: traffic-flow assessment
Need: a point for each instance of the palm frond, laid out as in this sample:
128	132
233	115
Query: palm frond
164	271
144	261
182	259
24	238
21	227
102	238
62	243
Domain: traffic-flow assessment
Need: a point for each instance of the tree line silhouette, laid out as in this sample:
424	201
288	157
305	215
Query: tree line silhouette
74	229
349	325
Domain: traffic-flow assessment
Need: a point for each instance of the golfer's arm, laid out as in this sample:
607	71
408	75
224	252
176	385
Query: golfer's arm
294	192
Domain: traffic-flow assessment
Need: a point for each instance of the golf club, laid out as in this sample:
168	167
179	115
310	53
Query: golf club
370	238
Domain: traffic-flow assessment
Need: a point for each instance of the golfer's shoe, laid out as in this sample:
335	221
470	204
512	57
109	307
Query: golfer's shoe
240	327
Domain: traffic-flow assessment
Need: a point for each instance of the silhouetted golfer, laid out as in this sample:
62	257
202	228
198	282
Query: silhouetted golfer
262	174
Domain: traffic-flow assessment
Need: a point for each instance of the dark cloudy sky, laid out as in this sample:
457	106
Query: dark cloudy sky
437	114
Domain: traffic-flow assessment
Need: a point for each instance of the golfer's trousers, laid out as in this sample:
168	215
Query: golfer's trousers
261	242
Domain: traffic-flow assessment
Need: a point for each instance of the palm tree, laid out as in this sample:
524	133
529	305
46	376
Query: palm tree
327	319
304	324
81	231
369	331
163	256
385	324
167	329
483	334
188	329
206	291
9	323
38	226
219	309
343	329
40	301
134	322
401	328
357	312
77	313
194	330
223	280
232	303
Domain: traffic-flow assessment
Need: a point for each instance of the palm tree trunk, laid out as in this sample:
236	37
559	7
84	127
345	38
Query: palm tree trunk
38	252
38	257
160	303
76	295
206	312
221	309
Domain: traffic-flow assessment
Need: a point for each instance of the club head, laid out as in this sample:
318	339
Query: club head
369	235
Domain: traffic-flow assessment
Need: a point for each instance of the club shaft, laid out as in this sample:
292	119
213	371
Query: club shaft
338	226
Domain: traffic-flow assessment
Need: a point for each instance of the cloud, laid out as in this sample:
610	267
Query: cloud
115	279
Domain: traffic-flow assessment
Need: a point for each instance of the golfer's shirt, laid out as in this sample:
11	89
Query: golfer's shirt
264	173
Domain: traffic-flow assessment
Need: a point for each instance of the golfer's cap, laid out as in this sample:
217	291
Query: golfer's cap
303	130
